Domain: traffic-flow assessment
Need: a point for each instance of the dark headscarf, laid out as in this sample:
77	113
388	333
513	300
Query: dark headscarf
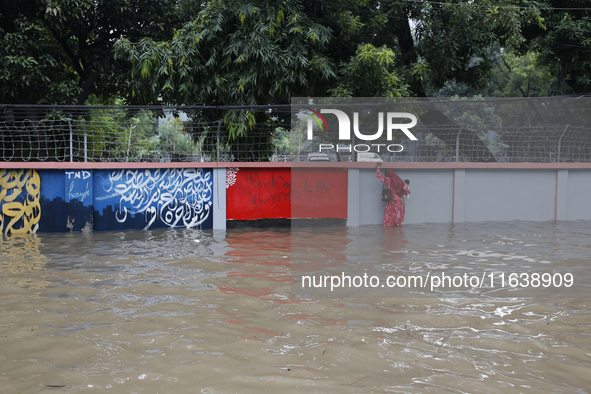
396	184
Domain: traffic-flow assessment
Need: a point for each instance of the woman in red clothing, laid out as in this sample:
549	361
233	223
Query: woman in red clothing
394	212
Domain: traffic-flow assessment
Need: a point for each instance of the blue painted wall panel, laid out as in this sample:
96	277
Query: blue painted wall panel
79	200
147	199
53	201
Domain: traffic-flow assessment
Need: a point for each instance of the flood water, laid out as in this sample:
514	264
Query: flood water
191	311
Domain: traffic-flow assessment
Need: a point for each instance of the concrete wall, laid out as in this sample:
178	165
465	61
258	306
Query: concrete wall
116	196
105	199
480	194
85	200
282	193
431	196
507	195
575	193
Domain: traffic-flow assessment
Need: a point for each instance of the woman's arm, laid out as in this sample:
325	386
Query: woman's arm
385	180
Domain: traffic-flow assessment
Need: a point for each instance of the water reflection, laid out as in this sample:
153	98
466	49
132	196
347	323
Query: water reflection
19	256
485	255
261	264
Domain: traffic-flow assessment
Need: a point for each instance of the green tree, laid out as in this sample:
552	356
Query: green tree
235	52
245	52
256	52
563	42
370	73
33	68
61	51
520	76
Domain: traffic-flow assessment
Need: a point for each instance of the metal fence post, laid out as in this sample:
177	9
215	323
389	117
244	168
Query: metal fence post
71	141
85	141
218	139
131	127
559	143
458	144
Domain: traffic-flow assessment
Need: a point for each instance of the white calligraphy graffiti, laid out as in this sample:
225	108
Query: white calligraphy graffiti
79	195
231	176
78	174
179	197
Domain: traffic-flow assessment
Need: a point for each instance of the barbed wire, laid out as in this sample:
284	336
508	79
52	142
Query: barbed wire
192	134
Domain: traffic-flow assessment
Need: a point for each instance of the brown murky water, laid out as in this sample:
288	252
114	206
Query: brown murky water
189	311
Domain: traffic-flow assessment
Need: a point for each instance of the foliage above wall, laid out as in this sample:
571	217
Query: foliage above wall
225	52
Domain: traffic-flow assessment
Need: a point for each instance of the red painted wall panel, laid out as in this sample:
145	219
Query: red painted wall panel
259	193
319	193
274	193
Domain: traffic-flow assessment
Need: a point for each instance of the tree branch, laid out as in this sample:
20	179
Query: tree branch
63	41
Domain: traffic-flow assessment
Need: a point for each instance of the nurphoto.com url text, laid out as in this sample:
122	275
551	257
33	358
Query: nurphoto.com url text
441	280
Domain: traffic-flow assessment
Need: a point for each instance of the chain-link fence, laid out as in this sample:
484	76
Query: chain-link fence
208	134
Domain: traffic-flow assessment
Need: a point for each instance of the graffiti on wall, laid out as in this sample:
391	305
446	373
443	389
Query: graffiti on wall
231	176
79	186
19	200
269	190
174	197
79	200
258	193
